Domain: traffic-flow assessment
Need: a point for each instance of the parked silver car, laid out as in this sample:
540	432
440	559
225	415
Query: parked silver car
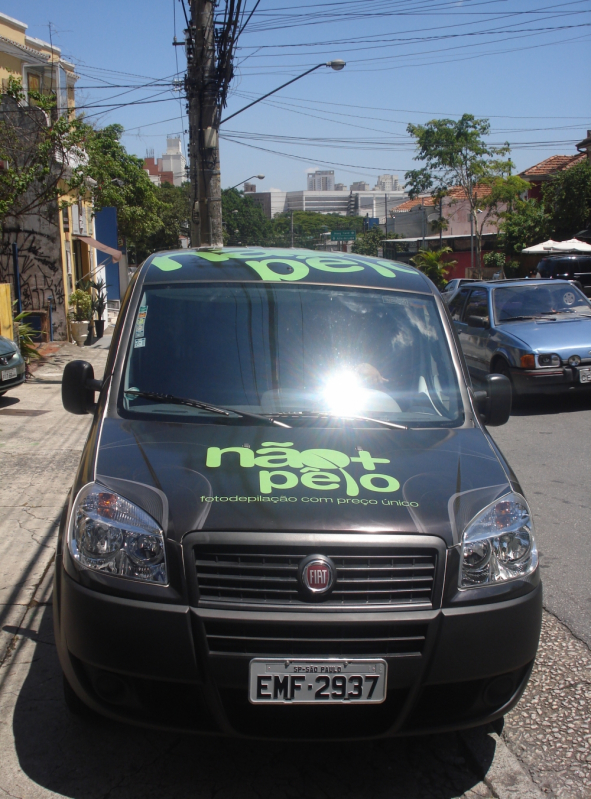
12	366
452	288
535	332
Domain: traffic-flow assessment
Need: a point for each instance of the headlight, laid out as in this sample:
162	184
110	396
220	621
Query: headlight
112	535
549	360
498	545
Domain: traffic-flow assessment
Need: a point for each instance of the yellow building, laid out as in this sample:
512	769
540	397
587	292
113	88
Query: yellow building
52	257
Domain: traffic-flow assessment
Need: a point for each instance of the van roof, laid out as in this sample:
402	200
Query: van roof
261	264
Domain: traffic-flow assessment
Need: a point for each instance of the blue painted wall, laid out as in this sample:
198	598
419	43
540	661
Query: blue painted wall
105	225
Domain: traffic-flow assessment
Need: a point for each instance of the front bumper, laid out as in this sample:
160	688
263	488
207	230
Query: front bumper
151	664
547	381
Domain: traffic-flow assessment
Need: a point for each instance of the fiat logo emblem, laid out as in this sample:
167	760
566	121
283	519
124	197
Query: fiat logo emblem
317	574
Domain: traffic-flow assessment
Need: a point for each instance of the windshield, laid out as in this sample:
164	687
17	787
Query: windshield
293	350
545	299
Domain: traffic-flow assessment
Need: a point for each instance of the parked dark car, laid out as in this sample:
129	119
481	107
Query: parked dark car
12	365
568	267
289	520
536	333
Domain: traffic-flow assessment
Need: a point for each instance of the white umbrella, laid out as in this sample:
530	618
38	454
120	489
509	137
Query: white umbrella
573	245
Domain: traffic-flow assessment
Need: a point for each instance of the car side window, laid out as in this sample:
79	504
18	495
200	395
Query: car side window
477	304
456	305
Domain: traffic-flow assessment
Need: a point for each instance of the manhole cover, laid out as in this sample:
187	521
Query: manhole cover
20	412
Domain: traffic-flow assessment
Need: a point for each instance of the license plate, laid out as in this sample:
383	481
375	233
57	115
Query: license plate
317	682
9	374
585	374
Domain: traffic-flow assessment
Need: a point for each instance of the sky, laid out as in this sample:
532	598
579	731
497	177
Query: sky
522	64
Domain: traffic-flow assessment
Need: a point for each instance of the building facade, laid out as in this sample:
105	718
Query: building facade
170	168
321	180
50	255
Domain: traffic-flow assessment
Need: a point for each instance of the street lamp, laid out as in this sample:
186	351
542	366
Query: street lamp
337	65
258	177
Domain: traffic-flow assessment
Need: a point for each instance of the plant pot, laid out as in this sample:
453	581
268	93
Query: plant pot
79	332
99	327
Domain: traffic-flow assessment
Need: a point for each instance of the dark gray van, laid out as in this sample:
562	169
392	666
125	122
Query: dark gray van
289	520
568	267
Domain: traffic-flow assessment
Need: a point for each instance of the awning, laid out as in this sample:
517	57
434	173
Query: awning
115	254
550	246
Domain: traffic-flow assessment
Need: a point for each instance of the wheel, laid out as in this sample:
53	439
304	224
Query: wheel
74	704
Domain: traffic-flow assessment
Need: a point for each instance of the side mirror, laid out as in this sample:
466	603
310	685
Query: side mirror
479	321
494	403
78	387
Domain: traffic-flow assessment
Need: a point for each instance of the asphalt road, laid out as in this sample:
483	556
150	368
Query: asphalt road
547	441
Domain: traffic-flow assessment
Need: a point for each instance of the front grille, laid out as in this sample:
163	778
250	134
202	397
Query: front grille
268	575
273	639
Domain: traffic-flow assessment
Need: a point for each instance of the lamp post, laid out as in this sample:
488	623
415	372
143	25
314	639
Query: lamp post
337	65
258	177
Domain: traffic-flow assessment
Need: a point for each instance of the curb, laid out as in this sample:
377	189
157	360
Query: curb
501	771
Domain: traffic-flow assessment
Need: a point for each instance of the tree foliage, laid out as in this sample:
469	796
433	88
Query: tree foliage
567	201
175	210
455	154
369	243
243	220
43	153
122	182
434	264
524	224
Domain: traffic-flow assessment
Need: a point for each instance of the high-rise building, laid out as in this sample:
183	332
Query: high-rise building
360	185
340	187
250	187
168	169
321	180
387	183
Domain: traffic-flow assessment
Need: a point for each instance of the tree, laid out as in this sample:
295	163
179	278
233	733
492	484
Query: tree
567	201
122	182
368	243
175	210
243	220
523	224
309	226
42	153
434	264
456	155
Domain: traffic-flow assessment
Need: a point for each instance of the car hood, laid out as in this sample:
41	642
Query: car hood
245	478
565	336
6	346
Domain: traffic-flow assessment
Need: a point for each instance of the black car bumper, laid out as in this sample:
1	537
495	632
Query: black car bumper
155	665
547	381
14	381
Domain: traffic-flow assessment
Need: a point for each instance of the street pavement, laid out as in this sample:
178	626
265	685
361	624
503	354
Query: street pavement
44	752
546	441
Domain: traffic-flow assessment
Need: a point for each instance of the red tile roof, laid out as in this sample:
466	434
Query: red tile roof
556	163
455	193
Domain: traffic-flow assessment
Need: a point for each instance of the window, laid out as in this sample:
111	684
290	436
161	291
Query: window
33	82
65	220
456	305
270	349
477	304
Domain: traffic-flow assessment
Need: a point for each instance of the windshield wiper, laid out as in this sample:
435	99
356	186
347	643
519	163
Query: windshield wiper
517	318
205	406
320	414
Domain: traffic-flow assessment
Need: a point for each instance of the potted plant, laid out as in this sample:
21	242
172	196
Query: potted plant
81	311
99	306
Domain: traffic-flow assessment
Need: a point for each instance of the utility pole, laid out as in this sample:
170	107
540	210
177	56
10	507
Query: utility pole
292	230
204	107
